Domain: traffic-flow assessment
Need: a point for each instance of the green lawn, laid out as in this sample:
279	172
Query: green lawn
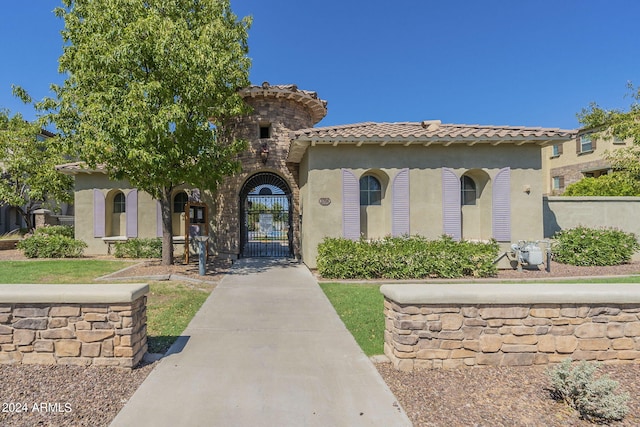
57	271
360	308
170	305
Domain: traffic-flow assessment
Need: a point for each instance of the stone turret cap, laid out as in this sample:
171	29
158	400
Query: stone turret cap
317	106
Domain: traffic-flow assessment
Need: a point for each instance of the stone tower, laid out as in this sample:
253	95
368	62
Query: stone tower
276	111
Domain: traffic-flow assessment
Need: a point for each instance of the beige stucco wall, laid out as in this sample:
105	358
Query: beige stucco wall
561	213
85	184
321	169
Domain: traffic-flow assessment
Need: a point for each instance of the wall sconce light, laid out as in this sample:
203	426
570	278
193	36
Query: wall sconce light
526	189
264	152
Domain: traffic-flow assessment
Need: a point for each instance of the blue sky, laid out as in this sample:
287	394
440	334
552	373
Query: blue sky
500	62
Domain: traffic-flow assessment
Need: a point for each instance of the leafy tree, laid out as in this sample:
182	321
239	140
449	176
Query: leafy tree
151	91
28	176
620	124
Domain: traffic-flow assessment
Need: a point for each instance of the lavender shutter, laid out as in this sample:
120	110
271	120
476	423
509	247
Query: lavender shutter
501	205
98	213
158	219
400	204
451	211
350	205
132	213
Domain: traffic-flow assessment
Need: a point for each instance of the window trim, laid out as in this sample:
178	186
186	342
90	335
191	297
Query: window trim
581	143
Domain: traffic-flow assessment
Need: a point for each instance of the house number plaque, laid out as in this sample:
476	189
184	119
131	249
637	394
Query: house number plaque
324	201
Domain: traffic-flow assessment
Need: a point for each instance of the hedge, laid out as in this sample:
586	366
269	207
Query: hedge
407	257
585	246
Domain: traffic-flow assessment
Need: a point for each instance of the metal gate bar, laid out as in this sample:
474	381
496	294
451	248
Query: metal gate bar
267	226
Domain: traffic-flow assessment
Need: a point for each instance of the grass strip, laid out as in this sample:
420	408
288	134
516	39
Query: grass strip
57	271
360	308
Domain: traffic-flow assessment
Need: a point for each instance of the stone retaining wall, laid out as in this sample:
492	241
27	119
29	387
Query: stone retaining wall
453	326
102	325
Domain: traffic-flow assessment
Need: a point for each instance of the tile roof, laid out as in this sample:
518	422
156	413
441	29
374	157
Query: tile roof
79	167
426	132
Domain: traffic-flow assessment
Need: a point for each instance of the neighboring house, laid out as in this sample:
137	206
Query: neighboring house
300	184
10	218
568	162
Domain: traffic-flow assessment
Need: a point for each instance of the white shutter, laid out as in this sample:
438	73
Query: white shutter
350	205
400	204
451	211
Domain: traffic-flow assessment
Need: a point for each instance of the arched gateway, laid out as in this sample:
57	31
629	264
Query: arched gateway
266	217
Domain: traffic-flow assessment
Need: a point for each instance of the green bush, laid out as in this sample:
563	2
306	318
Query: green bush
139	248
589	247
615	184
55	230
593	398
42	245
407	257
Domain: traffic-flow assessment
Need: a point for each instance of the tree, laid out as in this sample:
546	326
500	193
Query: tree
620	124
151	90
28	159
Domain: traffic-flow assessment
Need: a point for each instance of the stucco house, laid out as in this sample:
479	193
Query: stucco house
300	184
565	163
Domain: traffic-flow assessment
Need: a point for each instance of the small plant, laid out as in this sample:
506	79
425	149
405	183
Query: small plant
585	246
593	398
139	248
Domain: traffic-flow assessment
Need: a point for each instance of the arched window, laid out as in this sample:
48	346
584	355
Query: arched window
179	201
370	191
468	190
119	203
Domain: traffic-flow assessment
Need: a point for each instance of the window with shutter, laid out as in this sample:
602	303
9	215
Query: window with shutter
501	212
132	213
451	212
98	213
350	205
400	204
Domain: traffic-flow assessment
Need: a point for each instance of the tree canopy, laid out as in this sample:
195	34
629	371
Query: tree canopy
150	87
28	159
624	125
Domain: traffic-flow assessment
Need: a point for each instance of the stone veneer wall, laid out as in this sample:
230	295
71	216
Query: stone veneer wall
284	116
510	325
108	333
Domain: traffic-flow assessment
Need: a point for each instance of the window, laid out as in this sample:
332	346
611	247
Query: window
556	150
468	191
585	143
119	203
558	182
179	200
370	191
265	131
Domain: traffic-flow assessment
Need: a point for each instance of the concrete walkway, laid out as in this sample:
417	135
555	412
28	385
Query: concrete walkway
266	349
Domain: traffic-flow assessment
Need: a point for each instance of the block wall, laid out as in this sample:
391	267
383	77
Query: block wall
457	336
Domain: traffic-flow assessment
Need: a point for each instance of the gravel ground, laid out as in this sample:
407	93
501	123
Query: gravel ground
65	395
487	396
496	396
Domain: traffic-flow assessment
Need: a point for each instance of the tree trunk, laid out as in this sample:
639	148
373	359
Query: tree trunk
27	220
167	232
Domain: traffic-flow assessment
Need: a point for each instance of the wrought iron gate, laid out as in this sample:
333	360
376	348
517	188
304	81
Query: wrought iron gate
266	217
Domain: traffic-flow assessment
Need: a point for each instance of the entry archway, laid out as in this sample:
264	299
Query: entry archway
266	215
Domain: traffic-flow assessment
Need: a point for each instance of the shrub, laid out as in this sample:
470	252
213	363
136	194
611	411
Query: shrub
139	248
407	257
589	247
55	230
615	184
593	398
42	245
